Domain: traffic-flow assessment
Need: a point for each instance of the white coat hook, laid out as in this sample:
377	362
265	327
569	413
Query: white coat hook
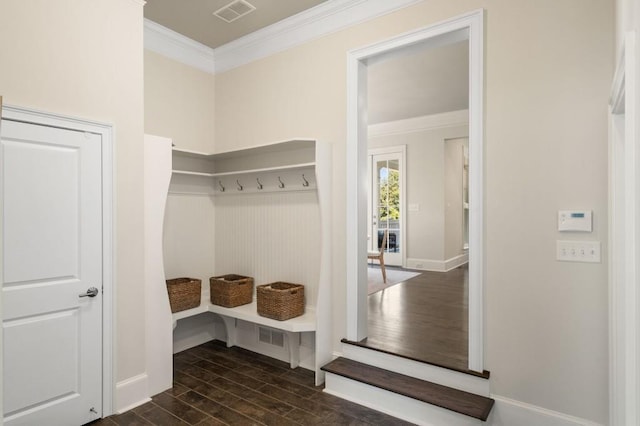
281	184
240	187
306	182
259	184
222	188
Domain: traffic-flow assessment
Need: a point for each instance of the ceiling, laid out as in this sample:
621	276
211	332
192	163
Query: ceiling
195	19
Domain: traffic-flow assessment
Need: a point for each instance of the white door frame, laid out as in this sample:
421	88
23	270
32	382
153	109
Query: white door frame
624	238
108	260
401	150
471	25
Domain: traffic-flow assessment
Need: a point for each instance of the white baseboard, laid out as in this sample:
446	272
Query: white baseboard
438	265
131	393
508	412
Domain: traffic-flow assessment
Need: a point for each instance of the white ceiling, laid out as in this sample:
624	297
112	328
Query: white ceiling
195	19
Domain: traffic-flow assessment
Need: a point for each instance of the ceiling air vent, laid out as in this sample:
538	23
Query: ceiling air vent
234	10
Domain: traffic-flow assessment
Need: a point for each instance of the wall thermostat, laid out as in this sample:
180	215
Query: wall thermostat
575	220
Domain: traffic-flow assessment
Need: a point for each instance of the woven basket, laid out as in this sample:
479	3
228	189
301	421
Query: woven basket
184	293
231	290
280	300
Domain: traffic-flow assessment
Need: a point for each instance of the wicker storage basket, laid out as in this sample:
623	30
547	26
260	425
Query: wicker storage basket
184	293
280	300
231	290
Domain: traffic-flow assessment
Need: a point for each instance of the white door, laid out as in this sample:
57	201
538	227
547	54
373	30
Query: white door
386	205
50	192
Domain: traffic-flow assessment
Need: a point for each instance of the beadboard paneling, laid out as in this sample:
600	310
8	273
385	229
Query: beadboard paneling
188	237
271	237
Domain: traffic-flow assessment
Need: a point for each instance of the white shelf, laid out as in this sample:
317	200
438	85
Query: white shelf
189	173
249	313
191	312
266	169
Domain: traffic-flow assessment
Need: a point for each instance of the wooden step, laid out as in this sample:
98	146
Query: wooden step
462	402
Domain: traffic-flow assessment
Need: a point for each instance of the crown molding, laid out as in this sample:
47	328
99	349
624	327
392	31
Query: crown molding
418	124
324	19
171	44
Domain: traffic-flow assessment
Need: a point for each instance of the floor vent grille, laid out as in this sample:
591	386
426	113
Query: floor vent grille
271	337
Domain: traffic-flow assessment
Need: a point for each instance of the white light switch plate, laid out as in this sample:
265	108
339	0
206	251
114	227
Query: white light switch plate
578	251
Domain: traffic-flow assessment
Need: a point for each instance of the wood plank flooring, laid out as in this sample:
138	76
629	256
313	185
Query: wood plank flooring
216	385
424	318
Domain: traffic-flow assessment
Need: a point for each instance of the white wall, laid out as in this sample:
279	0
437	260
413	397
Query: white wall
548	73
84	59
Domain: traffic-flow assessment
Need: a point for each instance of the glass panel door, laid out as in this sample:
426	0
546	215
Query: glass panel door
386	206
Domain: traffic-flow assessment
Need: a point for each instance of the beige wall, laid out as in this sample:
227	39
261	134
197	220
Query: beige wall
548	73
179	103
84	59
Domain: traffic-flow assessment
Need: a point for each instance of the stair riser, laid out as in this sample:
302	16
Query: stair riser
419	370
396	405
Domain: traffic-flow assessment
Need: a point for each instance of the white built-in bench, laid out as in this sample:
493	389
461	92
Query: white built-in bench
249	313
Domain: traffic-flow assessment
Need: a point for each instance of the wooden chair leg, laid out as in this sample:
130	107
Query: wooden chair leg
384	272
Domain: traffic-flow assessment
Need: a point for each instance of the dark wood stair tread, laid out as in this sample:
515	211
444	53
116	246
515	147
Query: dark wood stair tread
462	402
364	344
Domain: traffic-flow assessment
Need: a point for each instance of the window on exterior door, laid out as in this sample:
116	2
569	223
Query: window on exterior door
386	206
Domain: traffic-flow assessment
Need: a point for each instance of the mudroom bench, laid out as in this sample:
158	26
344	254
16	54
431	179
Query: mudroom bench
230	316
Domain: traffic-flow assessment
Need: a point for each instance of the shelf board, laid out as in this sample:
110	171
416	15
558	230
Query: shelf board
245	172
191	312
189	153
190	173
249	312
279	146
266	169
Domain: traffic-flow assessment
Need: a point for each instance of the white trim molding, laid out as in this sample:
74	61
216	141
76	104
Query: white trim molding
180	48
473	24
509	412
420	124
624	238
438	265
326	18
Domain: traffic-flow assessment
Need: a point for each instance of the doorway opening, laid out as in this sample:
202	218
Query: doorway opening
468	27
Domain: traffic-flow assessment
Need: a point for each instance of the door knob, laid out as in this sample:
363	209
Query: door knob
91	292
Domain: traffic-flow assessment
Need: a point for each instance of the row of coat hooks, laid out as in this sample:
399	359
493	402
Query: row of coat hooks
259	185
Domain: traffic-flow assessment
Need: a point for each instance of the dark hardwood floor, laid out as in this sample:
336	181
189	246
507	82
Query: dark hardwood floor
216	385
424	318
